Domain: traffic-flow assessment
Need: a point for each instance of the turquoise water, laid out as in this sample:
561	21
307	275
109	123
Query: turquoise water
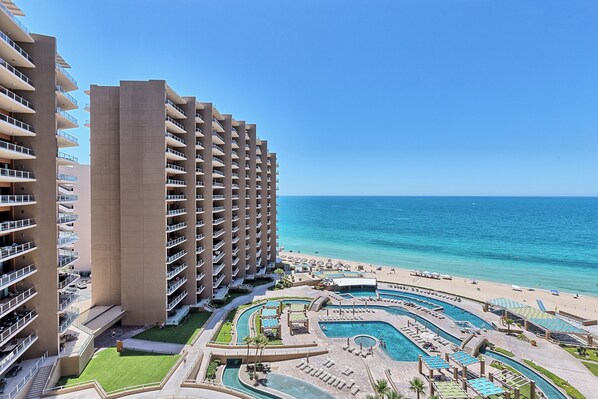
450	310
243	319
541	242
398	347
230	379
295	387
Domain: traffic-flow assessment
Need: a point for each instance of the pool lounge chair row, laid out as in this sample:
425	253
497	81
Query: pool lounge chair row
341	318
329	378
350	310
358	352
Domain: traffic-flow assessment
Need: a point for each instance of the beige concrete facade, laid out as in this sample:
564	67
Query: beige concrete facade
178	201
37	219
82	208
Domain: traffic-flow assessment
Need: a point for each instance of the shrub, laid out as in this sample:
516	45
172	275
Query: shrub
212	369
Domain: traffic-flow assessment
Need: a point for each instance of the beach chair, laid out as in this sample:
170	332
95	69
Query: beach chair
305	365
314	371
342	384
350	384
355	390
357	353
328	360
321	377
308	369
319	373
330	364
350	350
327	377
300	364
337	383
332	380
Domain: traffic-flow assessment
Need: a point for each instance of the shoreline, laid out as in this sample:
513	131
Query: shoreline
585	305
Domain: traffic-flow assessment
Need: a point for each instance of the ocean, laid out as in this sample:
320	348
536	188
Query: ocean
545	243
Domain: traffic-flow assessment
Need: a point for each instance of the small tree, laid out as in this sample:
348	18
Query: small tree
509	323
417	386
381	387
248	340
392	394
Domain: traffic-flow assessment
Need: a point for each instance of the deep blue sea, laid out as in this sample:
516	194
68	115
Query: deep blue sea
547	243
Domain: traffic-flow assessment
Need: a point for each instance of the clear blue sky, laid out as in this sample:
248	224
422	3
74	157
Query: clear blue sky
368	97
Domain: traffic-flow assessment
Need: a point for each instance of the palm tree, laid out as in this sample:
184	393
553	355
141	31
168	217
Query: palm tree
248	340
417	386
392	394
434	397
258	341
509	323
381	387
262	343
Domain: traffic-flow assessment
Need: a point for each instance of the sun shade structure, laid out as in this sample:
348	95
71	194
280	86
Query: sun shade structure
272	304
528	313
270	324
484	387
449	390
269	313
506	303
556	325
435	362
295	307
464	359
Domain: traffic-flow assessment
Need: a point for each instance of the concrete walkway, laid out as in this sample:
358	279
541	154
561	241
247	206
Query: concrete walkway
152	346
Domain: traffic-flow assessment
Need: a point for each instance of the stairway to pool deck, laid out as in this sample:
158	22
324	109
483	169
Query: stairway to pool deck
39	382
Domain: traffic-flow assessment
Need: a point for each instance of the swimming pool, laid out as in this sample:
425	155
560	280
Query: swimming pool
450	310
295	387
242	325
230	379
398	347
365	340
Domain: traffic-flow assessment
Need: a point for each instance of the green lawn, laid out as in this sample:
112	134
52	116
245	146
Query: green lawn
504	351
571	391
184	333
225	334
591	354
593	367
115	370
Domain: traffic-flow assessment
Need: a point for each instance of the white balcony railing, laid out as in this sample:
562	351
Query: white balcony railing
9	279
13	250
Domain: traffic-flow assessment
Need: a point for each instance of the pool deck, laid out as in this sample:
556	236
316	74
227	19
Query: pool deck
379	364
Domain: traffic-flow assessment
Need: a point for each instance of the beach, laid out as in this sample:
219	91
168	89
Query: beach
585	306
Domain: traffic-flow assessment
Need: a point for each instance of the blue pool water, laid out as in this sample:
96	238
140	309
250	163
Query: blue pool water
230	379
243	319
450	310
295	387
366	341
398	347
545	242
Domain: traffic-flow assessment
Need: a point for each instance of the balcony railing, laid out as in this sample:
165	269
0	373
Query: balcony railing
29	374
10	278
174	271
174	166
17	301
66	94
175	257
14	19
65	73
67	320
216	248
65	239
16	72
217	148
65	114
218	209
173	105
175	152
67	157
68	279
217	184
14	96
171	305
9	359
15	249
16	224
217	233
175	138
67	136
17	174
175	182
174	227
176	241
216	159
169	119
217	221
172	287
175	197
17	123
198	210
64	177
216	283
199	249
216	121
218	269
67	218
67	299
67	198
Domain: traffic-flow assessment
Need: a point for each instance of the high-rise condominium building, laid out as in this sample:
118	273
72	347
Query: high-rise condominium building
183	201
36	200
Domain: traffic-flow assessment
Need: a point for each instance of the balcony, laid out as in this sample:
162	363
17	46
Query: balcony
66	299
64	100
66	179
218	281
64	79
174	141
66	239
200	289
174	169
16	325
199	223
218	258
173	286
217	269
199	250
173	258
216	247
199	237
198	118
67	199
14	250
221	293
66	279
175	183
173	271
8	279
64	218
198	145
10	23
66	319
63	159
217	150
198	171
15	176
217	233
174	110
235	165
198	132
198	184
200	276
66	140
199	197
218	221
172	304
14	300
217	125
216	184
217	162
174	126
13	127
23	345
13	102
176	241
65	120
200	263
16	225
174	154
13	78
174	227
217	173
218	209
236	269
175	197
198	158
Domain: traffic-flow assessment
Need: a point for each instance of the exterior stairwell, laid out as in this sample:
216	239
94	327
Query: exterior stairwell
39	382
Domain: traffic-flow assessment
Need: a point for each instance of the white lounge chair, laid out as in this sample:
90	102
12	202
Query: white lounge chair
354	391
300	364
